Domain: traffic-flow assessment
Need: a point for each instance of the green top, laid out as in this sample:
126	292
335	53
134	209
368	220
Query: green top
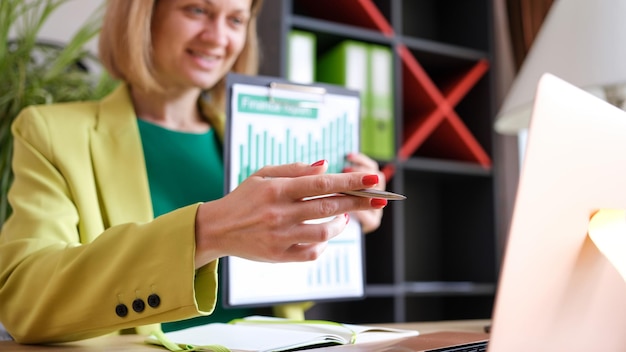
185	168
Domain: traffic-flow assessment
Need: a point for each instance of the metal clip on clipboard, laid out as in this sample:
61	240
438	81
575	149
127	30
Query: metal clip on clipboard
316	94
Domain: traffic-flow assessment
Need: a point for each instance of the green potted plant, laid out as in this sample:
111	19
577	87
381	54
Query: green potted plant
36	72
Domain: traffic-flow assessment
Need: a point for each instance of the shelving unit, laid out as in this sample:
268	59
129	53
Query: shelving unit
434	257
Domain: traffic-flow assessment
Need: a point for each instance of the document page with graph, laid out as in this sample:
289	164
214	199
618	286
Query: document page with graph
271	124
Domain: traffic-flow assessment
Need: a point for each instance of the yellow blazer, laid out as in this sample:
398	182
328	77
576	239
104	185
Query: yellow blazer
82	243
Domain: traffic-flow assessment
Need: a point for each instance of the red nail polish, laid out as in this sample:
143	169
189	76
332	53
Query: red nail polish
319	163
347	218
378	202
347	169
370	180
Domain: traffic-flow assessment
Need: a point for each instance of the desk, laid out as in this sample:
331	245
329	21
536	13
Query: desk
135	342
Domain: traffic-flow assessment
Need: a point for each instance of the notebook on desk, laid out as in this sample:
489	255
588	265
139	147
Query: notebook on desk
560	287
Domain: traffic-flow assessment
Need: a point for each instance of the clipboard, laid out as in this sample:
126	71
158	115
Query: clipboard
271	121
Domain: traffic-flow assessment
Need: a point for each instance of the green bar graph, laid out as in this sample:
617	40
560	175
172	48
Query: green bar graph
334	269
287	143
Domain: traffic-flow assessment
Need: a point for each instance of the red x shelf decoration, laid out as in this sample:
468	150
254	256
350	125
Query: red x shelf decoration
431	126
429	111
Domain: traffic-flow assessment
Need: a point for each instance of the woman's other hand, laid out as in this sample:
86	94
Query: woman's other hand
370	219
264	218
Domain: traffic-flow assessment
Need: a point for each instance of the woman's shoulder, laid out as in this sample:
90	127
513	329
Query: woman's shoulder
46	126
53	124
64	109
57	116
72	114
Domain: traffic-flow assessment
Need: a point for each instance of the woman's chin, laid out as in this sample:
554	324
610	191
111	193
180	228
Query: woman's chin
204	80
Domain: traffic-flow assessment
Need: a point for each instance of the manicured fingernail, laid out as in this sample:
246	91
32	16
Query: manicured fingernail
347	218
370	180
347	169
378	202
319	163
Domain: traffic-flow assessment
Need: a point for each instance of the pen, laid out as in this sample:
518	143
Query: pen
374	193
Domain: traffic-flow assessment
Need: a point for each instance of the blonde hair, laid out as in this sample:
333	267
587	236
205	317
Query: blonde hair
125	49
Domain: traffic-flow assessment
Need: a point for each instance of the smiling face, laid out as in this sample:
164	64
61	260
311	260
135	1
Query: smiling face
196	42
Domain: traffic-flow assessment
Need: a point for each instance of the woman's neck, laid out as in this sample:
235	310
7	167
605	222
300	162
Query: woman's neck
174	111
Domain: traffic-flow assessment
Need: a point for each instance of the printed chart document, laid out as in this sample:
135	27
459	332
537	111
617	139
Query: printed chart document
259	333
270	125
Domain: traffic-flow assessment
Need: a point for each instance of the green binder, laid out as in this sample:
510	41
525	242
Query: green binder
380	122
367	69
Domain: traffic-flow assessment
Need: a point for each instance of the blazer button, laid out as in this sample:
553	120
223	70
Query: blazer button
121	310
154	300
138	305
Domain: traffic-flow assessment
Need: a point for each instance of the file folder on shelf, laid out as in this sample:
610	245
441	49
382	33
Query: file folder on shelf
355	65
380	121
301	54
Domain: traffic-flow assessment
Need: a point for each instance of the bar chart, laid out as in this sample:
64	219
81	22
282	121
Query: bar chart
295	143
279	131
334	269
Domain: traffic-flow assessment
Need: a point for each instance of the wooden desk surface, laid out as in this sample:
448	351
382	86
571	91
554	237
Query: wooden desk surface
135	342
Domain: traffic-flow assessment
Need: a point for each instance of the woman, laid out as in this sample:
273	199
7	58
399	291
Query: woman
118	216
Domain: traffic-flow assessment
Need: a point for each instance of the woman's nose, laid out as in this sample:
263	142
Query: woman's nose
215	31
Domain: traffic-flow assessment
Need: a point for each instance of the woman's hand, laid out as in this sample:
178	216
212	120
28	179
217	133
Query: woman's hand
370	219
264	218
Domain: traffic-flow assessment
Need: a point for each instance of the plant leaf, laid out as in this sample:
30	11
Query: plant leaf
36	72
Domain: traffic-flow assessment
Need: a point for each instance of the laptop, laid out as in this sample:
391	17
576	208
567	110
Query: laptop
558	291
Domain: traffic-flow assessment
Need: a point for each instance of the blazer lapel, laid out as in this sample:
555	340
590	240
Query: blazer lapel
119	163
